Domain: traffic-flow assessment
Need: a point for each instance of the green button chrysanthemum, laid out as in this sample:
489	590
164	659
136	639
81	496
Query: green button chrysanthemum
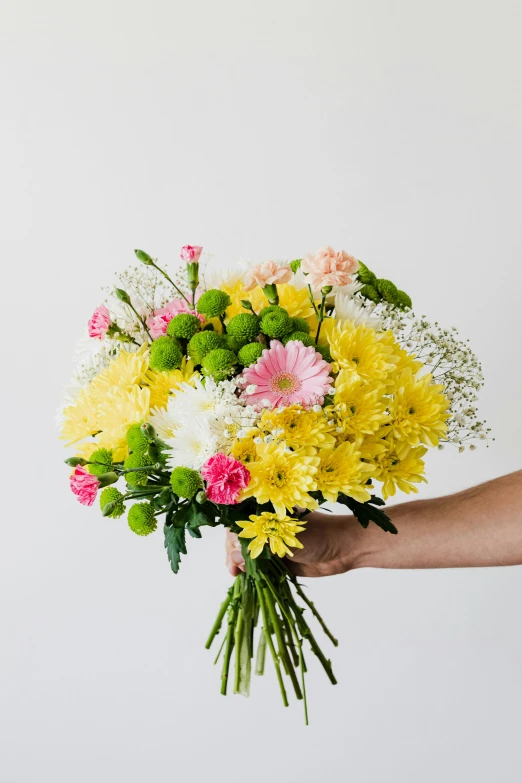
244	327
141	519
185	482
403	300
300	325
388	291
112	500
104	458
136	438
219	363
324	350
213	303
303	337
165	354
250	353
365	275
369	292
137	459
202	343
184	325
276	324
272	309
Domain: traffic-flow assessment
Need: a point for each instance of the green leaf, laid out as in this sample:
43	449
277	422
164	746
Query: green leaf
366	512
175	545
294	265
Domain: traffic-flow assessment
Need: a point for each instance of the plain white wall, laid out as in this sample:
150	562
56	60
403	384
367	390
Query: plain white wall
258	129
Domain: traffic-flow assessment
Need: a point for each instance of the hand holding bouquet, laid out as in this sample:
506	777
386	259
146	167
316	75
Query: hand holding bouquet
249	402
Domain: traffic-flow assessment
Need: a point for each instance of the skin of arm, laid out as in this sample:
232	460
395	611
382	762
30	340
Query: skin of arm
478	527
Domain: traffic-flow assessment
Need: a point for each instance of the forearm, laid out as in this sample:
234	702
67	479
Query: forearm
481	526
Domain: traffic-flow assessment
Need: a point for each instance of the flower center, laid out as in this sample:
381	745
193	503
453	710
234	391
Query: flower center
278	478
285	383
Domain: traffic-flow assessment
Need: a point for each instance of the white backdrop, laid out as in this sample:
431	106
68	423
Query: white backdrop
257	129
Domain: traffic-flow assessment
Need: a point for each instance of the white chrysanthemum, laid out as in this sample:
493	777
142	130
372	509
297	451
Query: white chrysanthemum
347	308
216	276
194	443
208	399
164	423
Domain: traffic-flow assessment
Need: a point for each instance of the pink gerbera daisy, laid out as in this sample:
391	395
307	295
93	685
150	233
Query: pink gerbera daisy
290	374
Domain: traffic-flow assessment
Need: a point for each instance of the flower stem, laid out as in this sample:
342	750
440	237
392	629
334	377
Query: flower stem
320	316
140	319
219	619
238	638
312	300
232	614
261	653
315	613
270	642
165	275
283	652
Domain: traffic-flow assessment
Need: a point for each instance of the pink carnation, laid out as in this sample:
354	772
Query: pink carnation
225	478
84	485
329	268
99	322
157	323
191	253
268	273
290	374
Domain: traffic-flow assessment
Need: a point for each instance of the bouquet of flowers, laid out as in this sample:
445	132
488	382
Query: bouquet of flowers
250	397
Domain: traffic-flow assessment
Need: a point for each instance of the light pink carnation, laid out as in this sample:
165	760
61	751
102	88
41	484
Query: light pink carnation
225	478
287	375
268	273
84	485
157	323
329	268
99	322
191	253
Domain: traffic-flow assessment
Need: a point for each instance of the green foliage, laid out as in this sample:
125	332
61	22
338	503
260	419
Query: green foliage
213	303
175	544
102	456
202	343
141	519
219	363
165	354
184	325
369	512
250	353
295	265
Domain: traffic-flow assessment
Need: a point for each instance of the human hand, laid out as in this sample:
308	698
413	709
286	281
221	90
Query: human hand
329	547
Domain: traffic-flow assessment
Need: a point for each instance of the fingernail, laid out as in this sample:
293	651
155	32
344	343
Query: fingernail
237	558
237	545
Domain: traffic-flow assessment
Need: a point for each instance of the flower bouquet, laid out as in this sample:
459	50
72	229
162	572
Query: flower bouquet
248	398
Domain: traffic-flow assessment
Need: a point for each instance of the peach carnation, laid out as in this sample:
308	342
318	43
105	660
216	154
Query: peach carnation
268	273
328	267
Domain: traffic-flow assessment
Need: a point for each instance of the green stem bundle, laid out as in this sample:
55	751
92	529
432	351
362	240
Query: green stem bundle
268	592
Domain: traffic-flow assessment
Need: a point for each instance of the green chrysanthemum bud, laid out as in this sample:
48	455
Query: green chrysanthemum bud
111	503
272	309
244	327
231	344
141	519
201	497
104	458
324	350
185	482
250	353
276	324
202	343
403	300
303	337
365	275
369	292
144	257
300	325
184	325
136	438
213	303
388	291
137	459
122	295
219	363
165	354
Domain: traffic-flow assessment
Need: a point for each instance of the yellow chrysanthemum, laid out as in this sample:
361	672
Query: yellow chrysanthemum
342	470
244	450
80	420
283	478
405	360
418	410
120	409
400	468
300	427
360	350
295	300
161	384
278	532
371	447
360	407
124	372
86	449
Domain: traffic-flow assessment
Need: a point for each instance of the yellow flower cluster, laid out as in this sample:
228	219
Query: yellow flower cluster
120	395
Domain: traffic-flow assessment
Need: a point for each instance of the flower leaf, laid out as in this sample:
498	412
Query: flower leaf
367	512
175	545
